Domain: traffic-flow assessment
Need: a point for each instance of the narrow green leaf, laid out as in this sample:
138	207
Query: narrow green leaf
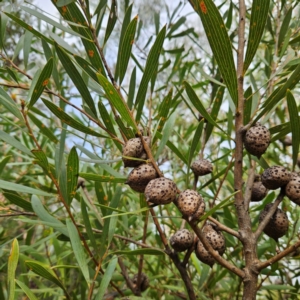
259	14
295	125
175	26
163	112
72	174
3	162
26	290
102	178
42	159
78	250
198	105
76	78
7	185
11	268
64	117
112	19
276	287
44	271
125	49
150	68
10	105
127	131
274	99
87	67
112	227
16	199
248	105
73	15
43	129
166	134
87	224
106	278
117	101
61	3
195	141
174	149
219	41
136	212
144	251
28	27
44	215
284	28
9	139
215	110
131	91
125	24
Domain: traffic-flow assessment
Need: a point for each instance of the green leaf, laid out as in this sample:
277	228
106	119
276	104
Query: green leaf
195	141
136	212
163	112
131	91
111	21
29	28
78	250
43	129
127	131
102	178
10	105
3	162
144	251
276	287
87	225
11	268
61	3
64	117
72	174
219	41
259	14
274	99
44	271
42	159
13	142
106	278
116	101
42	82
215	110
284	28
150	68
15	198
126	46
248	105
76	20
295	125
44	215
7	185
76	78
26	290
166	134
198	105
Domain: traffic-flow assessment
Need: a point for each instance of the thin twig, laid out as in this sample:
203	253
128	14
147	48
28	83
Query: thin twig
222	227
128	280
269	215
249	184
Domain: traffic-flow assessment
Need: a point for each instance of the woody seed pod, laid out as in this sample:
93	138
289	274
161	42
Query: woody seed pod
275	177
182	240
201	167
292	189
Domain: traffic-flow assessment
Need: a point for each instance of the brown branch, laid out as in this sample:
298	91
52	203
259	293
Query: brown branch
277	257
269	215
128	280
215	254
249	184
222	227
23	213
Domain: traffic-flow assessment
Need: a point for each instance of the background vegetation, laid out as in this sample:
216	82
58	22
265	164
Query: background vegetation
74	89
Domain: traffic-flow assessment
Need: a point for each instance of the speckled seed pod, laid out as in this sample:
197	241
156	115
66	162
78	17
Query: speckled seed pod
278	224
292	189
201	167
140	176
134	148
216	240
190	204
257	140
259	191
161	191
144	282
275	177
182	240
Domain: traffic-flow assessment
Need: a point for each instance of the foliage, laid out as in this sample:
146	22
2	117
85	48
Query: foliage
73	90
